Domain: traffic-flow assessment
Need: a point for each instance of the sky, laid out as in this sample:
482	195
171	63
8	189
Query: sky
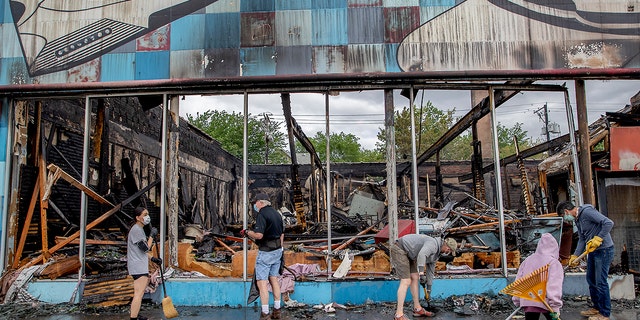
362	113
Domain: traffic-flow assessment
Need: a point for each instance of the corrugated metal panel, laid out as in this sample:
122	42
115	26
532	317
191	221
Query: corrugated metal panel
155	40
257	29
293	4
188	33
625	153
257	6
329	59
390	58
222	30
13	71
292	28
363	57
118	67
623	207
187	64
10	44
364	3
328	4
400	3
221	63
258	61
86	72
439	3
152	65
293	60
399	22
324	22
366	25
224	6
3	18
461	39
428	13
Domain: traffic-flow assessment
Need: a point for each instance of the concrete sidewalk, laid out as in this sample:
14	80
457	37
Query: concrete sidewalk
367	312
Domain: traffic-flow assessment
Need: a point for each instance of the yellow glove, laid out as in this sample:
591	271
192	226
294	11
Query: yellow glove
593	244
573	261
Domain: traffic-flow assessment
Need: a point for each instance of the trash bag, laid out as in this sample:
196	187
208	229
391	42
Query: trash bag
281	270
254	293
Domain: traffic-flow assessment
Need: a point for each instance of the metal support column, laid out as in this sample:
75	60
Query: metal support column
574	151
498	181
328	195
414	161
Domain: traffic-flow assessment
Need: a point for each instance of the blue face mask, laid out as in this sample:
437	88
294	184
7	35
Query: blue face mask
569	218
256	208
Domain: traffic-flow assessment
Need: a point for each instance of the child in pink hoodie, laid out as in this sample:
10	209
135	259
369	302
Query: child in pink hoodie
547	252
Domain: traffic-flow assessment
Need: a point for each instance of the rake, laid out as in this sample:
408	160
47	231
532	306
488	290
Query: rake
531	287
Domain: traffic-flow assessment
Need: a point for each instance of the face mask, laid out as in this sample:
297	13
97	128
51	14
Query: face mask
569	218
146	220
256	208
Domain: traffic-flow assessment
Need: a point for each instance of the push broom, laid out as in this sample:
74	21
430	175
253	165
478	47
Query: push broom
167	305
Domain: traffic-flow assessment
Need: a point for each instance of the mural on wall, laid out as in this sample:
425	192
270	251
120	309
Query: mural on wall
59	41
526	34
57	35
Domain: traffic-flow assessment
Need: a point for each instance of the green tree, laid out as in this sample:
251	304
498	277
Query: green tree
506	143
431	124
345	147
227	128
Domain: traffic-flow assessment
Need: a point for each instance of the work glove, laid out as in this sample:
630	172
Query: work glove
243	233
153	233
554	315
157	261
573	261
593	244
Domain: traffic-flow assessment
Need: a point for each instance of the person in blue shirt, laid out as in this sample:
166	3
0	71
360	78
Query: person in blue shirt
594	237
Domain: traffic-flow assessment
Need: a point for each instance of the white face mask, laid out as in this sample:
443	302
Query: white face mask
146	220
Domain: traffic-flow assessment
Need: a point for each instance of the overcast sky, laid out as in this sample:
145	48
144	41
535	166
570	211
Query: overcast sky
362	113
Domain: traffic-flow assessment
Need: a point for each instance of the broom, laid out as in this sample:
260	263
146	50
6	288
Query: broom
531	287
167	305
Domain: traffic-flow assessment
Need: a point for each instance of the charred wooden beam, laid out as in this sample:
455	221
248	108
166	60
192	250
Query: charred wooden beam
298	202
478	112
549	145
94	223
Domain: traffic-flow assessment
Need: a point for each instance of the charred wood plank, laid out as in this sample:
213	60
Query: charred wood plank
55	173
95	222
27	223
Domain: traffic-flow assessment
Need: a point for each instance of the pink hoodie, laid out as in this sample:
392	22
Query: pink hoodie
546	253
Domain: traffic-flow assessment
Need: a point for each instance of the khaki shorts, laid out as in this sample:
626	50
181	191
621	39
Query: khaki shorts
401	262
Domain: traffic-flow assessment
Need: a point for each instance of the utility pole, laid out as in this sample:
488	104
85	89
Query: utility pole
267	134
545	120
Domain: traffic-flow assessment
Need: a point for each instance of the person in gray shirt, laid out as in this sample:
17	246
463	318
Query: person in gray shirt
594	237
138	244
410	255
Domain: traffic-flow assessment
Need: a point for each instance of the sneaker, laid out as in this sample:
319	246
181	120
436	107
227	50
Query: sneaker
422	313
598	317
590	312
276	314
402	317
265	316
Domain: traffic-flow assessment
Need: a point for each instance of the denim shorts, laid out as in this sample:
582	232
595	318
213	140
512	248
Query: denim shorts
268	264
